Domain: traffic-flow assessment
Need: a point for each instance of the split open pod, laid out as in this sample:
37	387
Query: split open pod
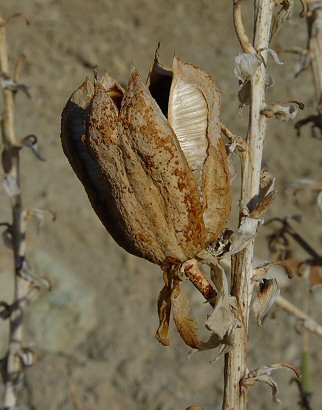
152	160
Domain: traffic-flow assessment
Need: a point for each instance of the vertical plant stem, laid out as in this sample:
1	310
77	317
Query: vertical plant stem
235	396
314	20
315	45
14	366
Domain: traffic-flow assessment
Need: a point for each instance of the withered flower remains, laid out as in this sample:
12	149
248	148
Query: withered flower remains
155	169
152	160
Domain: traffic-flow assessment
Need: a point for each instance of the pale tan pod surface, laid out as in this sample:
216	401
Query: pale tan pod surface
133	226
96	183
154	142
194	110
188	116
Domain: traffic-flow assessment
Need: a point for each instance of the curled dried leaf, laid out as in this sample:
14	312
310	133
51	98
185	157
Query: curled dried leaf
164	310
5	310
263	375
281	15
31	142
246	65
8	83
261	272
7	235
186	326
245	233
222	320
273	54
284	112
265	297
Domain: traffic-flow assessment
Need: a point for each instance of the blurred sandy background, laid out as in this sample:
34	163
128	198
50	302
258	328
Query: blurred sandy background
95	331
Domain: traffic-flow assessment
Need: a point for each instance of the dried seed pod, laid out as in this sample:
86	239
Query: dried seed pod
152	160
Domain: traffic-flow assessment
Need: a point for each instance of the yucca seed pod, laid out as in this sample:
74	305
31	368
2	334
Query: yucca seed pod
152	160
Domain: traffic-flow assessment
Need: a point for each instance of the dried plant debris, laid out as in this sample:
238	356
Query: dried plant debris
152	160
233	242
173	299
263	375
265	297
281	15
223	318
154	165
246	65
268	290
285	111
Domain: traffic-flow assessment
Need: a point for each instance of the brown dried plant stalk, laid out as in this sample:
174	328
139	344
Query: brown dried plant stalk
236	371
18	356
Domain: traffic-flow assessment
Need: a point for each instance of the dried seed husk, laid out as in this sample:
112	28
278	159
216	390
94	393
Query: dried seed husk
166	171
74	138
134	171
193	111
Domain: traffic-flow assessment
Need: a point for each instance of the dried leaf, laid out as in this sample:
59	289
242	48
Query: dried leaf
7	235
284	112
283	14
5	310
164	311
263	375
265	297
274	55
30	141
267	182
11	186
269	80
8	84
245	93
268	288
261	272
222	320
246	65
186	326
243	236
249	222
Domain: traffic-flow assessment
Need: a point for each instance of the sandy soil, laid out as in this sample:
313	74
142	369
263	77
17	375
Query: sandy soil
94	333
